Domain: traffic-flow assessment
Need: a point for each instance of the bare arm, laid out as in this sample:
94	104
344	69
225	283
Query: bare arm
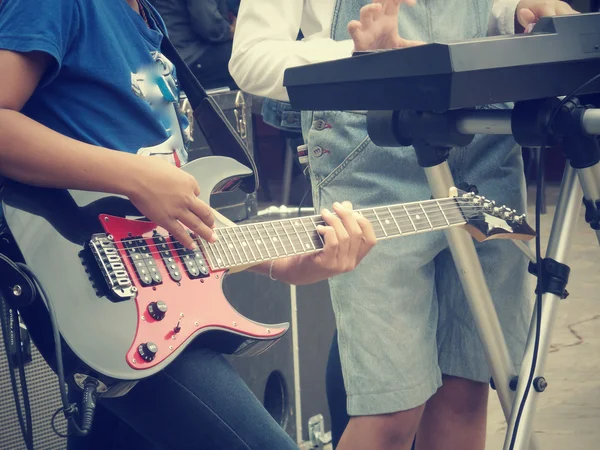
34	154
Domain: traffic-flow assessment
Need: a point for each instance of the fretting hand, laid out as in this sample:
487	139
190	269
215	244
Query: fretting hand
348	237
378	26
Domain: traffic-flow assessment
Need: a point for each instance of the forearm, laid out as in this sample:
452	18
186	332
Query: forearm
33	154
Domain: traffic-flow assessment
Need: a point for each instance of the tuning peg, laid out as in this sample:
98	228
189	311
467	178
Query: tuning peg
520	219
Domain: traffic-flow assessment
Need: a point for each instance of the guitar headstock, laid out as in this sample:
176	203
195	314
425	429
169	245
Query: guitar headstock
486	220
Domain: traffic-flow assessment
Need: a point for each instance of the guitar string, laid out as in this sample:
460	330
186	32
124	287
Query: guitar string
288	227
294	241
364	211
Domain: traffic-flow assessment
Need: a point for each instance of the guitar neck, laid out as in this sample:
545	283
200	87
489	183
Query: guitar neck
264	241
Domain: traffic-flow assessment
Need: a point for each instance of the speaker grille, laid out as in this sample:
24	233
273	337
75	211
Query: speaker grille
44	399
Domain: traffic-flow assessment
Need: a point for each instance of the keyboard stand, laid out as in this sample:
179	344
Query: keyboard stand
433	135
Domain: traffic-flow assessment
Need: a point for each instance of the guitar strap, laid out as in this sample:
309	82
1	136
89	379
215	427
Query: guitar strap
220	135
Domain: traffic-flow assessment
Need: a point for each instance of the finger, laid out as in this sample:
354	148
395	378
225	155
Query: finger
562	9
178	233
342	235
545	10
331	245
203	212
355	30
526	17
369	239
367	12
390	7
346	204
348	219
196	225
357	35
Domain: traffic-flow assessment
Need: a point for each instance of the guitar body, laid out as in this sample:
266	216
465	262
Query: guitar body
78	243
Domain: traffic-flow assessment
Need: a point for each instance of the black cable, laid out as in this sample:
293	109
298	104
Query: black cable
6	325
306	173
539	284
69	410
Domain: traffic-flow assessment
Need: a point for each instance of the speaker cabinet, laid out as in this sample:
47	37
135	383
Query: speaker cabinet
44	398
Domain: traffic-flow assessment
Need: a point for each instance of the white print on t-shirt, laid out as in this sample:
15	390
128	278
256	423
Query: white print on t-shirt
158	87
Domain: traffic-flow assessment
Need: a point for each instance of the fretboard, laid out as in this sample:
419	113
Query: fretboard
264	241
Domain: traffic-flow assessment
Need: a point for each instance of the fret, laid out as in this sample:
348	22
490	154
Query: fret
224	249
209	253
264	237
237	230
258	242
379	220
426	216
451	213
239	259
394	219
302	234
309	235
289	239
312	219
416	215
436	214
409	218
247	244
270	238
277	238
442	211
294	233
219	256
230	247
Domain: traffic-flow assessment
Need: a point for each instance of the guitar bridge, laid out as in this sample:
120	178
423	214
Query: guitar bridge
111	265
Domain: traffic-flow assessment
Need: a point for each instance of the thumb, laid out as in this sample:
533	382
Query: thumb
526	17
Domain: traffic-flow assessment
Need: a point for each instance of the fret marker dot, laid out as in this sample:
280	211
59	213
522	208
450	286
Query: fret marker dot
418	217
275	239
218	261
230	245
307	246
387	221
297	224
258	242
244	244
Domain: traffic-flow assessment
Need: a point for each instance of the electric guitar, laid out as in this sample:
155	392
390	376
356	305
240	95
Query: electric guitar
128	298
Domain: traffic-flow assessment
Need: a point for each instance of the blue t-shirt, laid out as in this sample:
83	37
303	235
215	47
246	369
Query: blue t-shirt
108	85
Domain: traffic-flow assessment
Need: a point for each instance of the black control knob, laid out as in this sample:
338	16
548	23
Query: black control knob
157	310
148	351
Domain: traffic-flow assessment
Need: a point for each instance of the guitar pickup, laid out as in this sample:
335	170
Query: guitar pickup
142	260
167	257
193	260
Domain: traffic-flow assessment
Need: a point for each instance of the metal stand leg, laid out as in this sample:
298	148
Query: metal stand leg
590	182
565	219
478	295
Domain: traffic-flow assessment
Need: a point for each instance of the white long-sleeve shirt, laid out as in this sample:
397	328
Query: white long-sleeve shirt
265	40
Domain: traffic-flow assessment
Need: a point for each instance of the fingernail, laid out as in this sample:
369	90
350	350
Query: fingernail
337	204
213	237
326	211
194	245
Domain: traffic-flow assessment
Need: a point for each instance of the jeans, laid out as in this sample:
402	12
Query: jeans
198	402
